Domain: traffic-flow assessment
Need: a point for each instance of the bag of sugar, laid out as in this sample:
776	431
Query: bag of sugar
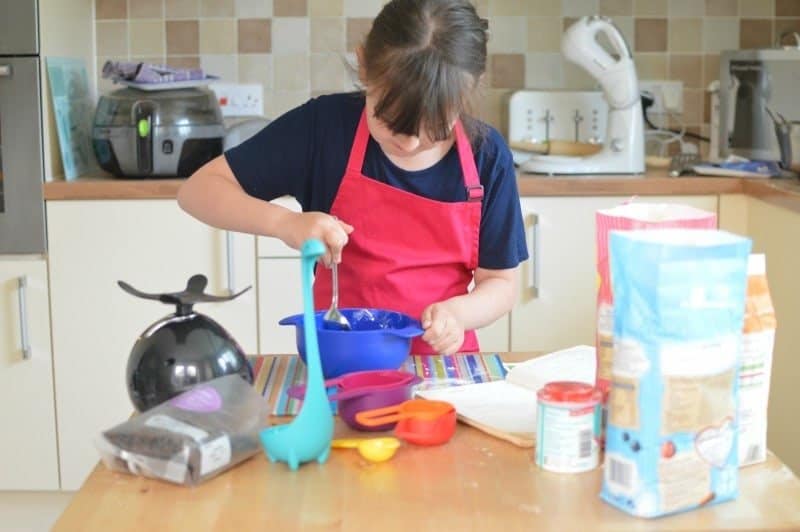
671	440
755	366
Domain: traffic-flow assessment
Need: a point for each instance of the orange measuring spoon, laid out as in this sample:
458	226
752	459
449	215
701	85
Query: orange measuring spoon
414	408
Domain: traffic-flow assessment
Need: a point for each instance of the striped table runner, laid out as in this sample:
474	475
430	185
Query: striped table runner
276	374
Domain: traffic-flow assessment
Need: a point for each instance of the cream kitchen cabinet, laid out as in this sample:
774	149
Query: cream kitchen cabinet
558	287
155	247
28	452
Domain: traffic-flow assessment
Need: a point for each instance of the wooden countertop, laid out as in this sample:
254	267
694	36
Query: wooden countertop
474	482
783	192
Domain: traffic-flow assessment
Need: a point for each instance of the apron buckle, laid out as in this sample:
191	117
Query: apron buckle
474	192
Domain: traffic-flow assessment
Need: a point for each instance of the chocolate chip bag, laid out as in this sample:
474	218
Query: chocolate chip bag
192	437
671	438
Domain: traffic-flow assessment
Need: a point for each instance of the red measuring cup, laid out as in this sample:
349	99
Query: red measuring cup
418	421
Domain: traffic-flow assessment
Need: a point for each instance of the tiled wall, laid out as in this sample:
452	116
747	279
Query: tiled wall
294	48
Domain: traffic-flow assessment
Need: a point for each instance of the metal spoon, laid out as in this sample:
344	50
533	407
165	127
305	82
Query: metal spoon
333	318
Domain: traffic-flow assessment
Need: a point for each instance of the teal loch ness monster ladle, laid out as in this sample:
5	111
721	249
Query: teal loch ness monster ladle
308	436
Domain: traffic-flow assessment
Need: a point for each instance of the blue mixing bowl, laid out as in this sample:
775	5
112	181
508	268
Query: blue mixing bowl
379	339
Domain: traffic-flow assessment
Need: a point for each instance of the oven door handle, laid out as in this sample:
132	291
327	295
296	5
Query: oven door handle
22	294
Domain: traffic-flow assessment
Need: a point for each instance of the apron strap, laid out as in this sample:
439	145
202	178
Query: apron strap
471	180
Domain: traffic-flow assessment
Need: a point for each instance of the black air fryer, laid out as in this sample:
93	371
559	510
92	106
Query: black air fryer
183	349
159	133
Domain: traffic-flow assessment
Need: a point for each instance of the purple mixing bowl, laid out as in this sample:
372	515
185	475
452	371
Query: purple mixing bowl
366	390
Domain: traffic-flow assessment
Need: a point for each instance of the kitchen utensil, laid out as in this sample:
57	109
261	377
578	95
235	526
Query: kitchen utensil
366	390
372	449
333	319
556	147
182	349
783	132
308	436
683	162
418	421
379	339
623	146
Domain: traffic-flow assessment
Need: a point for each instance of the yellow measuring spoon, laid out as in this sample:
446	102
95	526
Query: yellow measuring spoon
372	449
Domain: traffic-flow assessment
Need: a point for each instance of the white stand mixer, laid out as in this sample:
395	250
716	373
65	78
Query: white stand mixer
623	148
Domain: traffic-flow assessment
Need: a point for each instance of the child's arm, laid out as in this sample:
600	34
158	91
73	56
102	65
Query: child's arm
445	321
214	196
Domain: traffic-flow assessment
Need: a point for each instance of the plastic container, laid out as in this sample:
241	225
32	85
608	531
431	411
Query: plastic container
379	339
366	390
418	421
568	427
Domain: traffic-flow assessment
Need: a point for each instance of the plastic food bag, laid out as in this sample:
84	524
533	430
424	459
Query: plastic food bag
671	439
631	216
756	364
192	437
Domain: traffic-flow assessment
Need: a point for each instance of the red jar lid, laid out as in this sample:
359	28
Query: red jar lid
569	392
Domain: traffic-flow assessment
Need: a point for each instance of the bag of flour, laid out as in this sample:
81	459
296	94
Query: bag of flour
755	367
631	216
671	438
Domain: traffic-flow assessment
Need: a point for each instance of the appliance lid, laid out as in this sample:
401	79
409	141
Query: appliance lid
182	107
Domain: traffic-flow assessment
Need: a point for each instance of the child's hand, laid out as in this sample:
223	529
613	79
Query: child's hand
443	331
333	232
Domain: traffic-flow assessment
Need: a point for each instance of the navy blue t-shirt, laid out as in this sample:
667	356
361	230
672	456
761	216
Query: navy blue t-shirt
304	153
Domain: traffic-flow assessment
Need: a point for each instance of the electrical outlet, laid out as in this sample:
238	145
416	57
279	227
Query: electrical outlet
667	96
239	99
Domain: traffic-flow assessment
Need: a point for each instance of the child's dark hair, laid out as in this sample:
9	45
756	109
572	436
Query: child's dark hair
426	57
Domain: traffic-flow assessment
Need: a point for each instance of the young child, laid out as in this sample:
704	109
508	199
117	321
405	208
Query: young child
413	199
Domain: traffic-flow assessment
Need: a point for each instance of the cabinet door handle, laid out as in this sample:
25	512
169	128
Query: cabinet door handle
532	227
22	295
229	261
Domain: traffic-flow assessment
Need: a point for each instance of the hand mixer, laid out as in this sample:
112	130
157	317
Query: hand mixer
623	148
308	436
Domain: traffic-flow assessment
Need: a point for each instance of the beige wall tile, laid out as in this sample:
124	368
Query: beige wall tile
650	35
112	39
253	8
356	29
217	36
278	102
616	7
693	106
650	8
291	72
544	34
290	8
327	34
544	71
493	109
710	69
543	8
183	37
686	8
626	26
720	33
362	8
756	33
110	9
183	61
325	8
481	7
507	70
507	35
722	8
217	8
757	8
147	37
146	9
687	69
222	65
504	8
576	77
182	8
327	72
254	35
579	8
256	68
290	35
651	65
685	34
787	8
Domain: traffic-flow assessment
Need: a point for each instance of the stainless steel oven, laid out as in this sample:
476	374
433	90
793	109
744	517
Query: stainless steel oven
22	228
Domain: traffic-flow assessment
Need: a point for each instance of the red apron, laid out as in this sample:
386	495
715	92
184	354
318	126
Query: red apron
406	251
